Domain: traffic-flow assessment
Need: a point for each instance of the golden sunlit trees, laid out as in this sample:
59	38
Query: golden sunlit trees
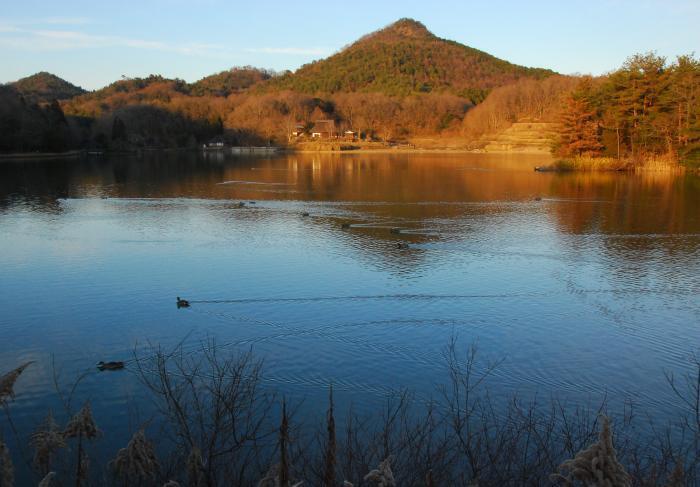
579	133
648	107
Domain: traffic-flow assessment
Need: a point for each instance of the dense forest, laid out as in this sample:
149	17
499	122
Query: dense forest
406	58
399	83
29	127
46	87
647	108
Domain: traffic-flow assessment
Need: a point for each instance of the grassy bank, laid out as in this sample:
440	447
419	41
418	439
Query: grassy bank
424	145
584	163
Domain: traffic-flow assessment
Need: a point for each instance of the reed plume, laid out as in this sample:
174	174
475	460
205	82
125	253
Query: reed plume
82	425
46	440
596	466
8	380
677	477
136	461
7	470
278	475
329	457
283	479
195	468
382	475
271	479
47	480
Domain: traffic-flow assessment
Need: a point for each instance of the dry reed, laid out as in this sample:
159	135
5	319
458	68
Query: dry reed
195	467
382	475
47	480
597	465
82	425
46	440
8	380
136	461
272	479
657	163
7	471
331	446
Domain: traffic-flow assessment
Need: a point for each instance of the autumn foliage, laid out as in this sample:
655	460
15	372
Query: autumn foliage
397	84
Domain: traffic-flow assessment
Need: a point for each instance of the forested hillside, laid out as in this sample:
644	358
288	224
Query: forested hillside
397	84
234	80
28	127
649	107
406	58
45	87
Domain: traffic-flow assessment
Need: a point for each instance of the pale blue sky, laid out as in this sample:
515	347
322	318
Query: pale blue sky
92	43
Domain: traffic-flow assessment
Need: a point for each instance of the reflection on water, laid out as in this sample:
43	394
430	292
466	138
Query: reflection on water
583	283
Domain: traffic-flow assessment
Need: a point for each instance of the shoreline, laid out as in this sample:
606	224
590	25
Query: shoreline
27	156
581	164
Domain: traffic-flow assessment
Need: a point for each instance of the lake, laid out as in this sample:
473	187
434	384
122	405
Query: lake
583	284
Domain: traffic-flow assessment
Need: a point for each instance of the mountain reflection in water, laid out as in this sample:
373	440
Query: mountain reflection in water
585	284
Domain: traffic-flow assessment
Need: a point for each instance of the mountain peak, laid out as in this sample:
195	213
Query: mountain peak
44	86
407	28
405	58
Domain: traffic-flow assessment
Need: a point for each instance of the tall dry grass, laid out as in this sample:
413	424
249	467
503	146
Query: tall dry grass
658	163
217	427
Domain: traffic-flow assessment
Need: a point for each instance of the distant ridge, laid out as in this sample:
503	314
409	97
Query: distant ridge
234	80
404	58
45	87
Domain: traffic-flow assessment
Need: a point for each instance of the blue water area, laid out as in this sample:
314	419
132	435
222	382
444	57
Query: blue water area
582	285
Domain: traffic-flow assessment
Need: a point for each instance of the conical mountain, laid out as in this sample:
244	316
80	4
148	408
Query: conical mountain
406	58
44	87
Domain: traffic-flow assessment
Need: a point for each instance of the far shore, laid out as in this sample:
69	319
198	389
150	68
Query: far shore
288	150
577	164
41	155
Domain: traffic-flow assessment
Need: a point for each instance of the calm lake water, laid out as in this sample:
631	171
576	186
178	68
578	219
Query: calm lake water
591	290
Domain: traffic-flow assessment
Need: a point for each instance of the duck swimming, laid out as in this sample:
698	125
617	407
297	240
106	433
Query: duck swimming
110	365
182	303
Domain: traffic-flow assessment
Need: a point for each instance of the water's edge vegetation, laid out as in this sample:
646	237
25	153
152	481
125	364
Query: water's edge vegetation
216	424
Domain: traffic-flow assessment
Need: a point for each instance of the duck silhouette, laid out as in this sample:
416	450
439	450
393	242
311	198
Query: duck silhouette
182	303
110	365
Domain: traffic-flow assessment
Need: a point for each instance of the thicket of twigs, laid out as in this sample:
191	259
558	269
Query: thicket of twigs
216	425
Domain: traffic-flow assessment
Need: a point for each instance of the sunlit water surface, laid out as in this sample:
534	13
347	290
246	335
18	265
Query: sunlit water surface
585	285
